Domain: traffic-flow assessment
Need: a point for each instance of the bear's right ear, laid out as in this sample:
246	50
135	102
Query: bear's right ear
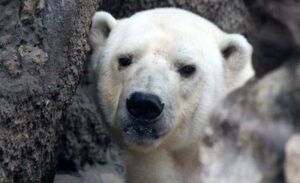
102	24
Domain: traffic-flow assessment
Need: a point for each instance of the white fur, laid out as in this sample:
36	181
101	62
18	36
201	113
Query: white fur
160	41
110	178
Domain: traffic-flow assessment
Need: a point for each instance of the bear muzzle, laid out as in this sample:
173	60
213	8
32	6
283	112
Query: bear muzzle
144	107
145	111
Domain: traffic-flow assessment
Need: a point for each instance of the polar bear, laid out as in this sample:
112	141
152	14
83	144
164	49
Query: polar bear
158	75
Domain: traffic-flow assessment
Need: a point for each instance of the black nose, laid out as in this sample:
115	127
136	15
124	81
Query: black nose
144	106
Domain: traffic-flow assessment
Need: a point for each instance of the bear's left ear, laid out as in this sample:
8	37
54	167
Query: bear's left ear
102	24
237	53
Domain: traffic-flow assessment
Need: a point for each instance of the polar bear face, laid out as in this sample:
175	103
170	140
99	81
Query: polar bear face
160	72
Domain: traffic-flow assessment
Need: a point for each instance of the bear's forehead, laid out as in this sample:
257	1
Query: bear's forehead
171	21
166	26
161	42
171	35
162	38
157	25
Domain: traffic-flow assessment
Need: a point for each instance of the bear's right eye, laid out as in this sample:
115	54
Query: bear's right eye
125	61
187	71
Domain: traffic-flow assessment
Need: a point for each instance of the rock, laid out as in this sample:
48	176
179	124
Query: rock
254	128
274	32
91	174
246	138
42	51
86	151
292	159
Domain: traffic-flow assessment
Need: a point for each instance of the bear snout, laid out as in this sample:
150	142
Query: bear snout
144	106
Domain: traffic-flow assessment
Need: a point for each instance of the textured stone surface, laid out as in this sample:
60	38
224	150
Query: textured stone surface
274	32
42	50
246	140
292	159
84	140
85	145
253	130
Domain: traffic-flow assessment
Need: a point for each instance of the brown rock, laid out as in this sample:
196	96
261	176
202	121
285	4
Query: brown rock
42	51
274	33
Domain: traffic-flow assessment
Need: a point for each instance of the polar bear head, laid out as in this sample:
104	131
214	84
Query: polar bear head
160	72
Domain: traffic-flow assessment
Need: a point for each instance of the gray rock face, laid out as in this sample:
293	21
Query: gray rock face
249	130
292	159
253	132
86	151
42	50
274	32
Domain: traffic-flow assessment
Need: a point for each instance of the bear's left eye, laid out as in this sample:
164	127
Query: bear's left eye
187	70
125	61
